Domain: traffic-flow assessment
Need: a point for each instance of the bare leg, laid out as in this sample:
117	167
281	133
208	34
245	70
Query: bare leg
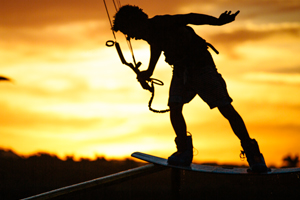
236	122
184	154
177	120
254	157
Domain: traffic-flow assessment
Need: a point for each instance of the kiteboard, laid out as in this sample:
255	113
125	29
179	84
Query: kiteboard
209	168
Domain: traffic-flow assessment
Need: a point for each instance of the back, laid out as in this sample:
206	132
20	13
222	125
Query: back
177	40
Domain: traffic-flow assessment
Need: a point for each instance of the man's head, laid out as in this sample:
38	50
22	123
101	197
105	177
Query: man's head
129	20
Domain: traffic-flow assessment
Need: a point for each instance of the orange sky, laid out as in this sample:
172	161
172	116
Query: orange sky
71	95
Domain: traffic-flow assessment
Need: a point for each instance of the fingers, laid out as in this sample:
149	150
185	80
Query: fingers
228	17
228	13
237	12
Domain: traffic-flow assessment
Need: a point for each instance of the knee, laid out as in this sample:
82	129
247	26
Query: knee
228	111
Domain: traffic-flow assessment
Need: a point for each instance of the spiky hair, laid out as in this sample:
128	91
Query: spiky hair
128	16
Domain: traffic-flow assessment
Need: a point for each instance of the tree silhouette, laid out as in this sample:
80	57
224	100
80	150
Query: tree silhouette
291	162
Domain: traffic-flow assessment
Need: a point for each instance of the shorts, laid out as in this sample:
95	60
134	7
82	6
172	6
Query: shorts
189	81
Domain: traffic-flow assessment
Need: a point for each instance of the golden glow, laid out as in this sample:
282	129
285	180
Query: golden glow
275	78
71	95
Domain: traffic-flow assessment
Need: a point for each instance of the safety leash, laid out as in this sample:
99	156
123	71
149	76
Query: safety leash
157	82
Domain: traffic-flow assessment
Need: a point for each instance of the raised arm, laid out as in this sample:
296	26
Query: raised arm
201	19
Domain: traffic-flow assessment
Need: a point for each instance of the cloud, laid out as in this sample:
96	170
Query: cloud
287	70
274	78
68	87
274	8
36	13
227	41
26	120
239	36
85	34
68	22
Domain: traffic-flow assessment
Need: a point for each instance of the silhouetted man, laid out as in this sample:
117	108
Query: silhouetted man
194	73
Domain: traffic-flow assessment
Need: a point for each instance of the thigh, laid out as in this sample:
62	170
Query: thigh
211	87
179	91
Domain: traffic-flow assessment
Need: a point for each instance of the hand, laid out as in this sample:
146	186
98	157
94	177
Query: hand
144	75
227	17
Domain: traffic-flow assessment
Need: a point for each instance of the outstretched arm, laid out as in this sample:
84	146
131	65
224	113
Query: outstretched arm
201	19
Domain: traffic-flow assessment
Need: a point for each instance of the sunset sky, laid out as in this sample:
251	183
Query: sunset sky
71	95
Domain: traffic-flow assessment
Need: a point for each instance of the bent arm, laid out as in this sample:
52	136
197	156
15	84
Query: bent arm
155	52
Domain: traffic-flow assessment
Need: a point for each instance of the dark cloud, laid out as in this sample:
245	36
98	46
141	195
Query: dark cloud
37	23
37	13
17	14
85	35
275	8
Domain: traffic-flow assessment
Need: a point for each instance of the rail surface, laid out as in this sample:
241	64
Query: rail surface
99	182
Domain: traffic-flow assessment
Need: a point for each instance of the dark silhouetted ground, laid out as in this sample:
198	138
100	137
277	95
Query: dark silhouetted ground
23	177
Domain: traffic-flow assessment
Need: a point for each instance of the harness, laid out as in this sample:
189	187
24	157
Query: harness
212	47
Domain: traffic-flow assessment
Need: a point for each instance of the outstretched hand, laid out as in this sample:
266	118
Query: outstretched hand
227	17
